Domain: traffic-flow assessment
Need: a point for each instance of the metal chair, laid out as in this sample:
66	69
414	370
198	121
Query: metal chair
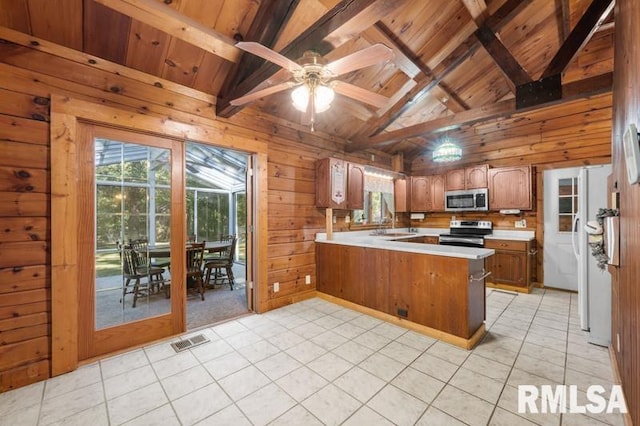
195	253
222	263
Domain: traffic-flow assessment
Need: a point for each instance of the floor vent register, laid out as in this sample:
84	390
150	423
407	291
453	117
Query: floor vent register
191	342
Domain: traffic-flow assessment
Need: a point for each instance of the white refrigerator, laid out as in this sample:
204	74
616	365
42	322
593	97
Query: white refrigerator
594	284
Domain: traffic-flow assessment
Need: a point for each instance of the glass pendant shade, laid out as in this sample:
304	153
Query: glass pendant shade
323	96
447	151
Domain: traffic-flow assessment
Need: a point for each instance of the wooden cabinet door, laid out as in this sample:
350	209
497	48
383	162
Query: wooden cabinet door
355	186
431	240
420	193
331	183
437	193
510	188
400	195
508	267
476	177
455	180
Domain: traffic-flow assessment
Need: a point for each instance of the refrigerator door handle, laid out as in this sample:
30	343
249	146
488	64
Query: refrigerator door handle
574	232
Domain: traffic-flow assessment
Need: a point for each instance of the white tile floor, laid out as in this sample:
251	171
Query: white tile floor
317	363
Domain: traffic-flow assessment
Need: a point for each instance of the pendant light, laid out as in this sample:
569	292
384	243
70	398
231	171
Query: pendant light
447	151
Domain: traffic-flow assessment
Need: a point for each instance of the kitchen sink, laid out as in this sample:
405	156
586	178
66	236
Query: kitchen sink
394	234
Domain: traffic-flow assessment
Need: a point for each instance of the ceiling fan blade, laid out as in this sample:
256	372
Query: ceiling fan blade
262	93
360	94
268	54
371	55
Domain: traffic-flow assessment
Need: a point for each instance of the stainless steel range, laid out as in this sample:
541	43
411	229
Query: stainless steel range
466	233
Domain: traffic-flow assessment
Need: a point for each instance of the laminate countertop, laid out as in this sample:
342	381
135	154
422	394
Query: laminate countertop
393	240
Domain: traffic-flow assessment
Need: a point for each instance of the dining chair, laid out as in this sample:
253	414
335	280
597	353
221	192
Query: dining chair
141	245
224	262
219	254
195	253
144	277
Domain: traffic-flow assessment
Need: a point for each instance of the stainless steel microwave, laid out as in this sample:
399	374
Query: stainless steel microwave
469	200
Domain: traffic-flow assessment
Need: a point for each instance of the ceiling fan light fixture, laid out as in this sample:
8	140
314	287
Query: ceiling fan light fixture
446	152
322	97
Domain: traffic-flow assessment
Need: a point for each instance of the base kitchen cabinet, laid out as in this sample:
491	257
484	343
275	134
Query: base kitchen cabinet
511	265
444	294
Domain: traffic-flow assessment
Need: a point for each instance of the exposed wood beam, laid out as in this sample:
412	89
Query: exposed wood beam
571	91
563	16
411	66
347	18
495	22
505	13
502	57
595	15
172	22
271	17
379	33
477	9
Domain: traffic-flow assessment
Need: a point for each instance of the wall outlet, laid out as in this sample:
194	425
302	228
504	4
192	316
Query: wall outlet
307	279
521	223
276	287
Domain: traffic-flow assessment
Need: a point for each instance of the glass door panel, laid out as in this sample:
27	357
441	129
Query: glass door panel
132	214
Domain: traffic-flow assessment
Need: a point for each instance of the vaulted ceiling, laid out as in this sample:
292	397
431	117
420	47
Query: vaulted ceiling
456	62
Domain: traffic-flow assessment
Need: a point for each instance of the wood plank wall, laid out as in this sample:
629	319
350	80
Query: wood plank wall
293	218
26	81
577	134
25	320
626	292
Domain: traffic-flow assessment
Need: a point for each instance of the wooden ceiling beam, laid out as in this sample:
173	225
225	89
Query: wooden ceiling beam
502	57
592	18
346	19
504	109
271	18
563	17
495	22
172	22
477	9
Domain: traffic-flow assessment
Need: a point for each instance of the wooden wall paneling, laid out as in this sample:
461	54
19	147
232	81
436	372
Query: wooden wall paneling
24	105
88	60
182	62
23	130
56	66
105	32
59	21
15	14
18	179
626	108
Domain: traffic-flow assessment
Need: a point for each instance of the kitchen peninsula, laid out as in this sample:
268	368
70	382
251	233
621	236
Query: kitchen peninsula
434	289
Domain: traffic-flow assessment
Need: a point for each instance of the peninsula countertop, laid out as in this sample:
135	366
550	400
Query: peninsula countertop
393	240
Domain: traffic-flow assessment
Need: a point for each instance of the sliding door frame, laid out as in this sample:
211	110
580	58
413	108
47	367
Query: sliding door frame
67	114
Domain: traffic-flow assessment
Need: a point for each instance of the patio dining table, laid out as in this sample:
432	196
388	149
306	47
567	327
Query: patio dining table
165	251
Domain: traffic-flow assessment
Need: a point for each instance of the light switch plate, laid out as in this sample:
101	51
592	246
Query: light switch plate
276	287
307	279
521	223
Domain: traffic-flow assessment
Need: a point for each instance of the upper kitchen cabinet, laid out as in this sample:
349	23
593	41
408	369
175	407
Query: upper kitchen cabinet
468	178
401	195
510	188
339	184
427	193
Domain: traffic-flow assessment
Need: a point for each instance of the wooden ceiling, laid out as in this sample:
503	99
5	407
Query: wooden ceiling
457	63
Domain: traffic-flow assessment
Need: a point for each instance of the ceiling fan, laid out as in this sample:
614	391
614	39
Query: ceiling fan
315	78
